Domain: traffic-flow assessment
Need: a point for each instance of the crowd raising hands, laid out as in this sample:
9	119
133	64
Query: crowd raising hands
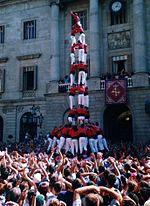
117	178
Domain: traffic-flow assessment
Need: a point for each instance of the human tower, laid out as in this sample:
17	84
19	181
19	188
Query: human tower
78	134
79	111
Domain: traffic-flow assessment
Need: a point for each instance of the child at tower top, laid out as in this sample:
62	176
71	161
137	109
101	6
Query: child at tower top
76	18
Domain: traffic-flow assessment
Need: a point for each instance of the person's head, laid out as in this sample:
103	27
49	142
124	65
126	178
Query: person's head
111	179
57	187
132	186
43	188
24	185
67	172
76	183
40	200
51	169
14	194
93	200
127	167
55	202
145	191
134	197
53	180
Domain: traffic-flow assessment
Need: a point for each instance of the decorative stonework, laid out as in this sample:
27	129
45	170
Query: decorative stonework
119	40
7	109
20	109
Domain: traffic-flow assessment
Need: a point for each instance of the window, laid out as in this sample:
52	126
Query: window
29	29
29	78
2	34
119	64
118	12
83	18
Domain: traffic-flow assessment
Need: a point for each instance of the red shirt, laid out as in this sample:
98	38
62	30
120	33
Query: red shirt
73	49
54	131
72	91
76	17
72	112
79	45
73	68
82	131
86	91
80	111
58	133
65	131
73	134
91	132
82	67
81	89
85	48
87	114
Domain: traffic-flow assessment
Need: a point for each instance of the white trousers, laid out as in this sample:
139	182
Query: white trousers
85	79
83	144
54	142
71	101
93	145
80	99
81	55
72	56
81	77
72	79
85	58
61	142
74	146
68	144
100	142
50	144
81	119
86	100
73	40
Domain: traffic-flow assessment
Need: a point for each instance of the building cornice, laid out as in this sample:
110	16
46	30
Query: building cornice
28	56
11	2
3	59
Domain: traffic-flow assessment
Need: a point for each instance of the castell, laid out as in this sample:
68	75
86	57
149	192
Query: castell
78	74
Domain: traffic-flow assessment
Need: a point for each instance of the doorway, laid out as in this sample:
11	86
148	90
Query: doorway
27	126
118	123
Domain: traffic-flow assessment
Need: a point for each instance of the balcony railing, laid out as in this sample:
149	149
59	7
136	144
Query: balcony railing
129	83
64	87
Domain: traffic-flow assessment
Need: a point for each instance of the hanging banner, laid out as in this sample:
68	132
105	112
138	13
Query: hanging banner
116	91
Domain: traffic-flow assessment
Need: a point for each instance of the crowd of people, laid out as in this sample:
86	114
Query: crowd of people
31	176
75	165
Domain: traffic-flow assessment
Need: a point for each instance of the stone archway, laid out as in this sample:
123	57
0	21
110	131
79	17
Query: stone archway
27	126
118	123
1	129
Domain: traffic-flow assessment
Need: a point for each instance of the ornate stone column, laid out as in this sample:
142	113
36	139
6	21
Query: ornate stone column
94	38
55	42
139	37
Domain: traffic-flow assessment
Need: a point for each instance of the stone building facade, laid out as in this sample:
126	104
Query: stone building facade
34	56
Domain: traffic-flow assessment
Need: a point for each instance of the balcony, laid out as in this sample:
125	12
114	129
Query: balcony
137	80
129	83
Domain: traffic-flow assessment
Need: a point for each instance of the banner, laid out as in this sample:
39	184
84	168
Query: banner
116	91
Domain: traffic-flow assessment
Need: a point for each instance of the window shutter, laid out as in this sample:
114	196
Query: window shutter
21	79
35	77
2	80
